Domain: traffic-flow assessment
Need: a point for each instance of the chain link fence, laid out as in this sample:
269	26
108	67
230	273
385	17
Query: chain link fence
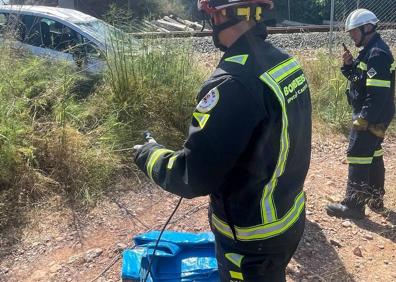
385	10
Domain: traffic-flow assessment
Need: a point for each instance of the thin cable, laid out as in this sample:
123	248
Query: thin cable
159	238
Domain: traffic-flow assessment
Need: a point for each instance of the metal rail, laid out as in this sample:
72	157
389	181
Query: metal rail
271	30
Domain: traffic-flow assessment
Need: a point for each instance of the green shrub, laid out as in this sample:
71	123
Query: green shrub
328	87
42	126
153	89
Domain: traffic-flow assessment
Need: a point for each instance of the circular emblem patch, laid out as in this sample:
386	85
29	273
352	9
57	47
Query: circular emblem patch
209	101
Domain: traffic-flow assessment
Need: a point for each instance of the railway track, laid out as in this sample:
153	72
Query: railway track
271	30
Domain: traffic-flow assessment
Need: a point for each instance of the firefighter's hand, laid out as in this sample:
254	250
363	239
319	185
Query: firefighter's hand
377	129
347	58
150	140
360	124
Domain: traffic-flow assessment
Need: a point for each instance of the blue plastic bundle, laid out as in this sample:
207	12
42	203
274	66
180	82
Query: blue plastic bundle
180	256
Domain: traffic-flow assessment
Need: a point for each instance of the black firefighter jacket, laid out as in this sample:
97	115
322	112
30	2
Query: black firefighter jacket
248	146
372	83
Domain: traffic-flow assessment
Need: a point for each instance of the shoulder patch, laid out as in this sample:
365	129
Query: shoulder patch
239	59
209	101
371	72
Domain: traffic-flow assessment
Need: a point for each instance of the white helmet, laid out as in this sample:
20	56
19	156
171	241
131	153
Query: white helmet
359	18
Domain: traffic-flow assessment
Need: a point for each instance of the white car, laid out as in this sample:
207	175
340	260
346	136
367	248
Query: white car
58	33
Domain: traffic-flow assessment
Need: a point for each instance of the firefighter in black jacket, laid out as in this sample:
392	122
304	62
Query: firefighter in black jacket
371	94
248	147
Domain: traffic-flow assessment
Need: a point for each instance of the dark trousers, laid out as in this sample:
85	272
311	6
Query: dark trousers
366	174
235	265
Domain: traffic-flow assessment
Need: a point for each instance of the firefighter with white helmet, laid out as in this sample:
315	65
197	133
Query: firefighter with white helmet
248	146
371	95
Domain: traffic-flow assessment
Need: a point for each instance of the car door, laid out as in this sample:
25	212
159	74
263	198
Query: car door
40	38
94	58
62	42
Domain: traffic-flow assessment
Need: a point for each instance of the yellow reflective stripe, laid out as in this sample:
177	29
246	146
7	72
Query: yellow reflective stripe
264	231
379	153
359	160
275	228
236	275
244	12
154	158
201	118
284	69
378	83
239	59
235	258
171	162
362	66
222	227
268	210
258	13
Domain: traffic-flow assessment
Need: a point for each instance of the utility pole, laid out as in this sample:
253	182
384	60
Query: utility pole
331	27
288	8
357	4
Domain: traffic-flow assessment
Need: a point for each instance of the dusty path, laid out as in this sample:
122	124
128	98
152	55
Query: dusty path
56	243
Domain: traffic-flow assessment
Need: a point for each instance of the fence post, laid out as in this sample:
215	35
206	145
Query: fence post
331	27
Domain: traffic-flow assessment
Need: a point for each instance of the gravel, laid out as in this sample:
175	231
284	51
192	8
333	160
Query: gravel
300	41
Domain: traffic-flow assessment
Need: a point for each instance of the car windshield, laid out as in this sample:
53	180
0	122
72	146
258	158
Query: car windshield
103	32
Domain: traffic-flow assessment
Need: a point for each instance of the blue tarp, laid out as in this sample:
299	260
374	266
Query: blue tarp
180	256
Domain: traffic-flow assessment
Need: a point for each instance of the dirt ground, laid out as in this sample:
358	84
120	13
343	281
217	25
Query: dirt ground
52	242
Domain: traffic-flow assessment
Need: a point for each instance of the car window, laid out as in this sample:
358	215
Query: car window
63	38
47	33
32	31
91	49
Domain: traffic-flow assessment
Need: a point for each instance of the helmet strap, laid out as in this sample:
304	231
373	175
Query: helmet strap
365	33
219	28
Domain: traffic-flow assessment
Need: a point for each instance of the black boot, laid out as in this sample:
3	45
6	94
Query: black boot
340	210
376	205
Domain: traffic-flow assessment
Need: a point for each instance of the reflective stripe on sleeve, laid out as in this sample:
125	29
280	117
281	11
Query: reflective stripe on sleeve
362	66
378	83
393	66
171	162
284	69
379	153
154	156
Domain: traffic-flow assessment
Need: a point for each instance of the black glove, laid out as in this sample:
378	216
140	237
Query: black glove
360	124
142	154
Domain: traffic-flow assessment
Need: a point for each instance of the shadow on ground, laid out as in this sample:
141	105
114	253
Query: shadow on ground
12	220
386	231
318	259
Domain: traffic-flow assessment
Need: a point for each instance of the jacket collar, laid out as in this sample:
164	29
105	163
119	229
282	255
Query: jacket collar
248	38
370	44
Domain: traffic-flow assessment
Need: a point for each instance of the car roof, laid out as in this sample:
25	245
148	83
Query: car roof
68	15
